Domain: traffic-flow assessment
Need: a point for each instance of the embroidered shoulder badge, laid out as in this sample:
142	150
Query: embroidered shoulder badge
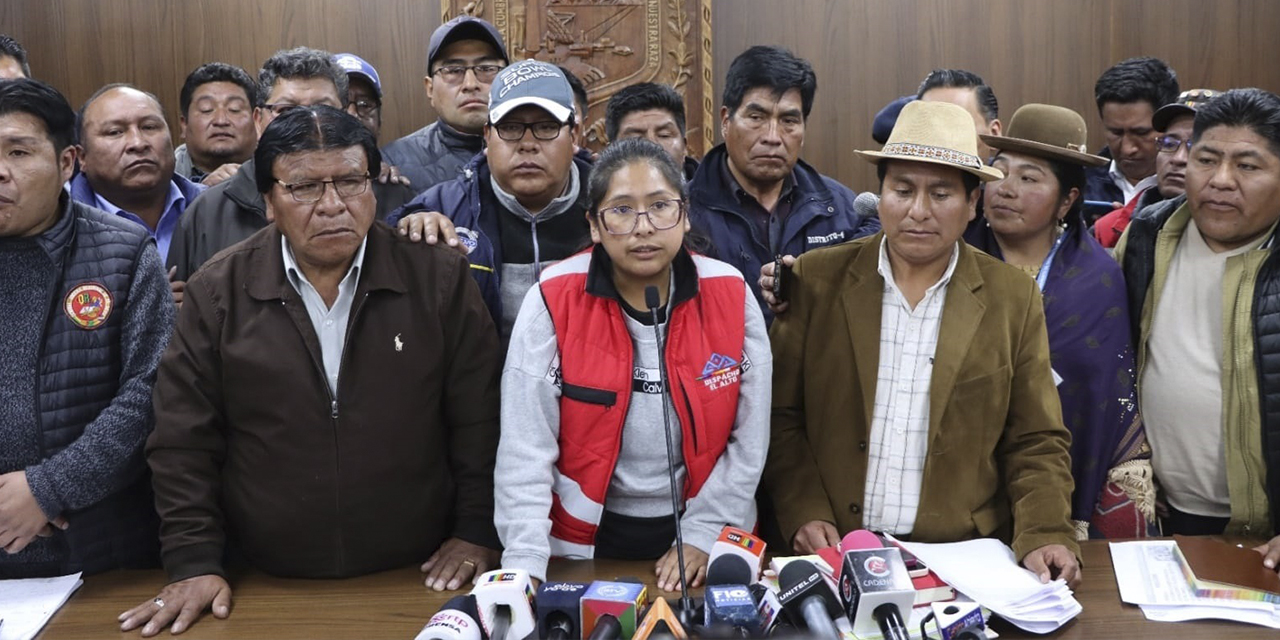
88	305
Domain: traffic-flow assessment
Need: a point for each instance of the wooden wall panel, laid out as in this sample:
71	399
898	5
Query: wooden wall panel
865	52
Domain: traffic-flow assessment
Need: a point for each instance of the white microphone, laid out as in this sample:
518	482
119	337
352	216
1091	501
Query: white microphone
504	599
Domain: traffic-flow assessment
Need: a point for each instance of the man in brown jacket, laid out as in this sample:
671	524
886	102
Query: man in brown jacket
328	406
912	387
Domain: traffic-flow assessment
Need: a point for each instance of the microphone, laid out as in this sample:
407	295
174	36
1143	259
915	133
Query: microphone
660	622
805	596
728	601
560	610
504	598
874	586
610	610
867	205
654	302
773	619
734	541
956	621
456	620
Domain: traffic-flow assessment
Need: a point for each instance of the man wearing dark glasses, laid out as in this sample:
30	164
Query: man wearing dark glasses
521	205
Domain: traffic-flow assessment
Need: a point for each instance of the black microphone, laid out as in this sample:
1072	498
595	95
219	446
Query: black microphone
560	610
806	596
654	302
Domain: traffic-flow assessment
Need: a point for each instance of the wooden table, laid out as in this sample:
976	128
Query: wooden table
394	604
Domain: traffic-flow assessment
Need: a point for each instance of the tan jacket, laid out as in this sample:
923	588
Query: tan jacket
998	462
1241	416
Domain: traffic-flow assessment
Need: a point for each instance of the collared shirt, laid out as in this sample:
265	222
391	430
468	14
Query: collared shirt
900	419
1129	190
330	322
767	224
174	204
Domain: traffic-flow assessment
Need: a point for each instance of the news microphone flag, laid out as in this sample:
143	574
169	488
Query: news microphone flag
734	541
875	589
622	600
509	593
560	609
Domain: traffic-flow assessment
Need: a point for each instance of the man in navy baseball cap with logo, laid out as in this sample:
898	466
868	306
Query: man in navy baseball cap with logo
521	205
463	57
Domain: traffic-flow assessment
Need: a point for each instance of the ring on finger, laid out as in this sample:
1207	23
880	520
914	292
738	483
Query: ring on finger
469	561
159	602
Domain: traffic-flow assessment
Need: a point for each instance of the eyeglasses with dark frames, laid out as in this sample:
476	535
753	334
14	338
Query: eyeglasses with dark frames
366	108
623	220
455	73
311	191
544	130
1170	144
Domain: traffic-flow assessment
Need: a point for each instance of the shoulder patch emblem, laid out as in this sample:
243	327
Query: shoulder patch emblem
88	305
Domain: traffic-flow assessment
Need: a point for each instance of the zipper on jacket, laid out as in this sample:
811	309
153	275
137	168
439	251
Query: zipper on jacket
693	424
537	254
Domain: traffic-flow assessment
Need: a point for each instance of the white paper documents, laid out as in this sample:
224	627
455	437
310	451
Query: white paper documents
986	571
27	605
1148	575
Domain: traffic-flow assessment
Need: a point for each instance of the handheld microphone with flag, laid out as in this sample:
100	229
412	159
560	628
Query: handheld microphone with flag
458	619
806	597
773	619
611	610
654	301
874	586
734	541
560	610
504	599
955	621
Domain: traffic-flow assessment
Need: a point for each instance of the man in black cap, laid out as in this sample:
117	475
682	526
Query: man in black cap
464	56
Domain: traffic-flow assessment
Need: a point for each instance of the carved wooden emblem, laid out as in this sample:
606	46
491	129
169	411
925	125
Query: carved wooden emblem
610	44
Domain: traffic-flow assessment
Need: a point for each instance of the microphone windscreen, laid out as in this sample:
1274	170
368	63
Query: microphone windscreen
798	581
560	603
860	539
729	569
458	619
651	297
867	205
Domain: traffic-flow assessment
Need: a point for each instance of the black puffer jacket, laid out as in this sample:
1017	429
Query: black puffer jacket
1139	269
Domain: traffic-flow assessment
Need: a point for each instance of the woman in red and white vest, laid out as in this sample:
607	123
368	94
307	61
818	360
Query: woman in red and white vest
582	467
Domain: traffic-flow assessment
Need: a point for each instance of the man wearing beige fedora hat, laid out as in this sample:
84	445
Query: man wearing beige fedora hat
950	427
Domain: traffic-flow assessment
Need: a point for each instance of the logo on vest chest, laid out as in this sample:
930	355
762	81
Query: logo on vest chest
827	239
88	306
722	371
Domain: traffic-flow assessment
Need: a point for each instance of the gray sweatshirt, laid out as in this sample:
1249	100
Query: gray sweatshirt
528	449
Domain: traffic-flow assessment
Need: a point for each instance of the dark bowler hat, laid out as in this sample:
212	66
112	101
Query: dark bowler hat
1047	131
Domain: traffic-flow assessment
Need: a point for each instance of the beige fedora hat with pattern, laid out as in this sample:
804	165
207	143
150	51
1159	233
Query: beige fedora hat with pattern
936	133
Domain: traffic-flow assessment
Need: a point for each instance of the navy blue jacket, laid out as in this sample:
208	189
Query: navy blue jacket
462	202
822	214
93	391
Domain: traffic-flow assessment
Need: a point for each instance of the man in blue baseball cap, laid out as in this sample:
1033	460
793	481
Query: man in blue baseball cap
520	206
364	91
463	57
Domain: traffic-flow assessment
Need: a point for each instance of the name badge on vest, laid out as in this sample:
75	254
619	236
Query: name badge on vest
88	305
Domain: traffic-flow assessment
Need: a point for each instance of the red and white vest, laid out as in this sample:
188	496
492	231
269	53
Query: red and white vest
704	360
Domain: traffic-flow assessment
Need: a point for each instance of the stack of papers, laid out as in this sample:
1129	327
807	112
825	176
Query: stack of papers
27	605
1149	575
985	570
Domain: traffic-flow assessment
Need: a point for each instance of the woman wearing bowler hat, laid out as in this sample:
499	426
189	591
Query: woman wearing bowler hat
1032	220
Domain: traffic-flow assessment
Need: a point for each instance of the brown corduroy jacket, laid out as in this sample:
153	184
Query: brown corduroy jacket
998	453
251	452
